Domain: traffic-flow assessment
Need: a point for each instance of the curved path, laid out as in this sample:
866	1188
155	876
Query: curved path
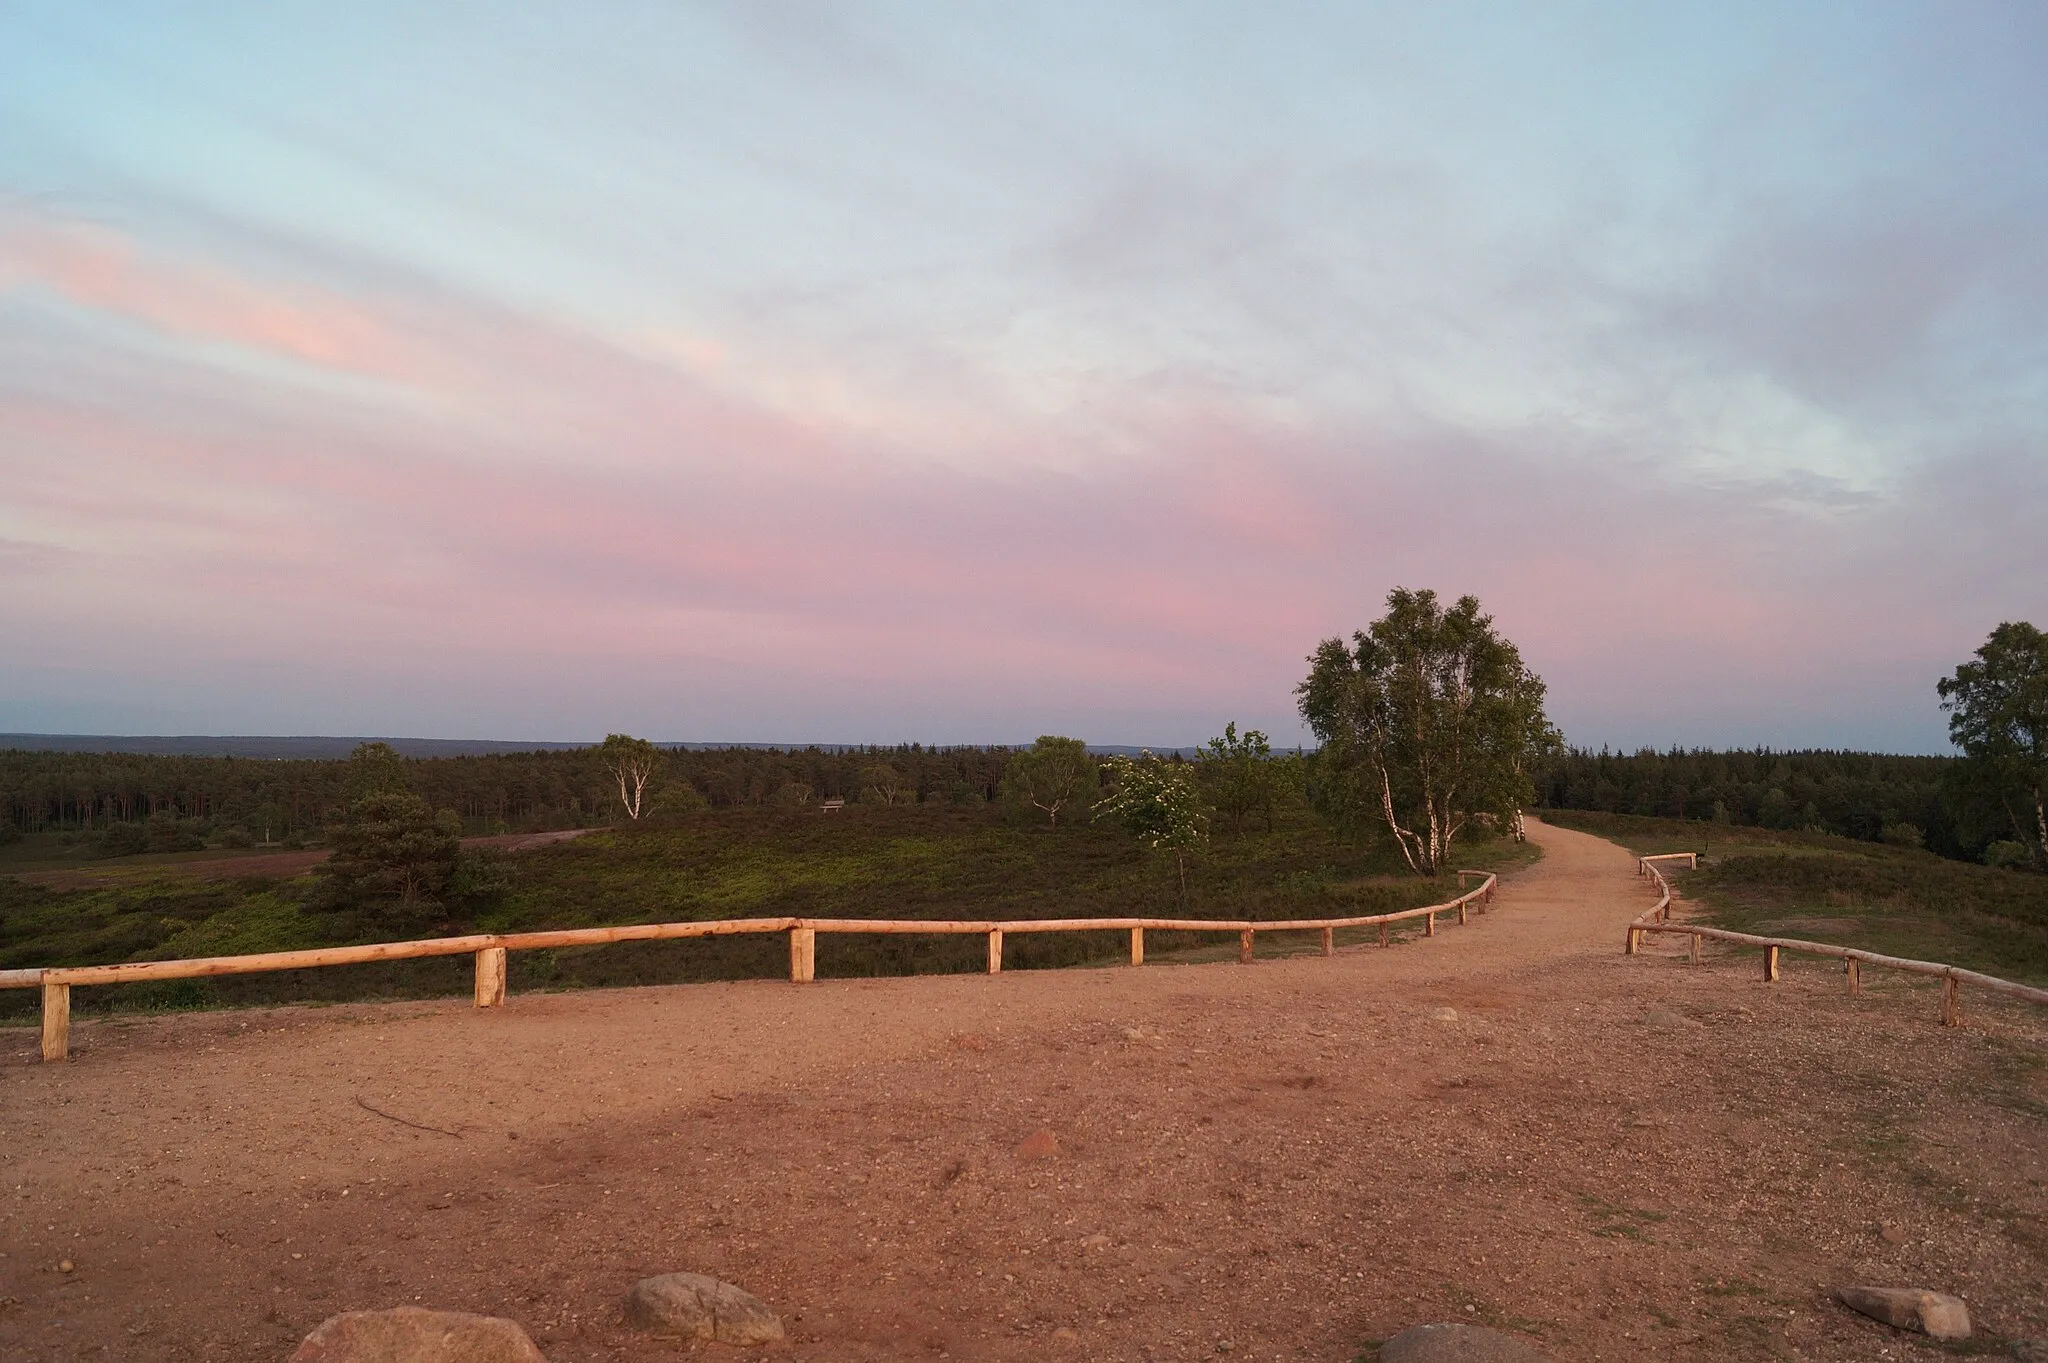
1289	1159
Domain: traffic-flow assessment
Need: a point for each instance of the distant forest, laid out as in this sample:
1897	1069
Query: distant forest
139	802
126	803
1870	796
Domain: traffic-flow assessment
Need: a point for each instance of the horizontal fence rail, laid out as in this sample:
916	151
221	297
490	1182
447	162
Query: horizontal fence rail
491	949
1657	918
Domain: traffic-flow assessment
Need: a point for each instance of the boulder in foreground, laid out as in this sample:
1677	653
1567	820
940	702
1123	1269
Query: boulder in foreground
412	1334
694	1306
1458	1344
1934	1314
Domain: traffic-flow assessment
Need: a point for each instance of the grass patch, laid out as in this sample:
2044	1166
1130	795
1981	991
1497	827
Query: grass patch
1613	1221
1899	901
926	861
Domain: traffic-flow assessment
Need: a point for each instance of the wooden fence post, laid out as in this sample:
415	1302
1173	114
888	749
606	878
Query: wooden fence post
1329	941
1634	935
803	955
490	977
1244	947
1770	963
1855	973
56	1021
1461	913
995	951
1951	1002
1137	946
1430	920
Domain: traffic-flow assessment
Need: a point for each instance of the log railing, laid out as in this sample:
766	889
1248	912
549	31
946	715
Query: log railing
490	949
1657	918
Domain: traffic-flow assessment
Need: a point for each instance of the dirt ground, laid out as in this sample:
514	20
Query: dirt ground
1510	1123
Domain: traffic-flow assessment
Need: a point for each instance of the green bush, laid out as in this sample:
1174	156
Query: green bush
2012	856
166	832
121	840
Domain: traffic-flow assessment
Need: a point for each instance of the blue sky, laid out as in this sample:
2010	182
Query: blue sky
962	373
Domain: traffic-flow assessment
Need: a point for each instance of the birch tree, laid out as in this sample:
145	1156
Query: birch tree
631	763
1052	775
1427	719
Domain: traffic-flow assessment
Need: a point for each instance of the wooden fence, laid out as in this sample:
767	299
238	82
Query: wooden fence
490	950
1658	919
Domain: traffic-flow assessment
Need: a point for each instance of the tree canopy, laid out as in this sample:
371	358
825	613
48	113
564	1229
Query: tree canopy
1427	718
632	763
1052	775
374	769
1156	802
1241	776
1998	716
393	844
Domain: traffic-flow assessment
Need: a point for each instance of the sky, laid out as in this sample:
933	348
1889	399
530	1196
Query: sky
959	373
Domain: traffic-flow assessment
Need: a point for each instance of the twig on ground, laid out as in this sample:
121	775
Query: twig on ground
417	1126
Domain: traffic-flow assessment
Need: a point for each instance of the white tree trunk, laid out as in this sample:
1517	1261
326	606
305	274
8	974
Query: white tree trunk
1403	838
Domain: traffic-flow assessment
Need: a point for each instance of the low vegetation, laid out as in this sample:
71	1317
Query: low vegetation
1902	901
1434	739
931	860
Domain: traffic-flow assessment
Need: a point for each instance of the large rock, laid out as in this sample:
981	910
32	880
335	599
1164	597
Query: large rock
411	1334
1458	1344
1934	1314
693	1306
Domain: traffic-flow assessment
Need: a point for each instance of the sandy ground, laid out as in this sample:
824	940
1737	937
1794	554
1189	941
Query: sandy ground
1625	1157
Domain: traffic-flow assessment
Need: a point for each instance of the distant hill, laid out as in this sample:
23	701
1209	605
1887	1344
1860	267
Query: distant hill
317	747
311	746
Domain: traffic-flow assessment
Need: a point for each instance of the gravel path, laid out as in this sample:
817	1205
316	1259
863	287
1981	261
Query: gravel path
1511	1122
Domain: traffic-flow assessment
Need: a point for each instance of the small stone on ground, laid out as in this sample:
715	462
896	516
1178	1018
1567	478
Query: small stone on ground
696	1306
1458	1344
1040	1144
1934	1314
412	1334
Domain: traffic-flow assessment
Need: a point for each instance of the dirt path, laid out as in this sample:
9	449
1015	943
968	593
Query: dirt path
1627	1157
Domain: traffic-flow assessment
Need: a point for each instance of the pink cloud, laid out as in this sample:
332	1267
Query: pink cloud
571	518
103	270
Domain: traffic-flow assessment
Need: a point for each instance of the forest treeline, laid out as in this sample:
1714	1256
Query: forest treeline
1874	797
133	802
126	803
113	796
